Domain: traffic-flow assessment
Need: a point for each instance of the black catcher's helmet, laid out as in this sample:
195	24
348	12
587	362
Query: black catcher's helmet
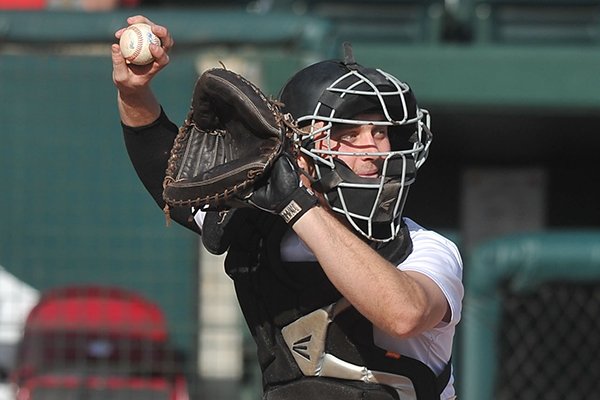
335	92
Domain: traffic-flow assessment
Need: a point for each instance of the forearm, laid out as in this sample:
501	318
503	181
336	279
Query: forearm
149	148
389	298
138	108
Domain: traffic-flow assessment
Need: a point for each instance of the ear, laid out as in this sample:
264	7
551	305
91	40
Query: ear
308	169
317	138
306	164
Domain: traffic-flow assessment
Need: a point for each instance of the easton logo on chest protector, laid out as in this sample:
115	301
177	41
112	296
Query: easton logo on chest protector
301	347
306	337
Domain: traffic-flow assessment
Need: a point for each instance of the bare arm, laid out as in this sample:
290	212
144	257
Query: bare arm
403	304
136	102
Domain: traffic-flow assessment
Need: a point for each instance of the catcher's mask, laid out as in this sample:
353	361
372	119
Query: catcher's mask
335	92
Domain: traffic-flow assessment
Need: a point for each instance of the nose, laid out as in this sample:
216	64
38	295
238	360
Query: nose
366	141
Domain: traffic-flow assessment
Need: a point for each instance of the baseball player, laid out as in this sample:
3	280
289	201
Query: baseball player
349	299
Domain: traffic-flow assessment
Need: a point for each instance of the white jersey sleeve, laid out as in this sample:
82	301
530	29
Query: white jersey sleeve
439	259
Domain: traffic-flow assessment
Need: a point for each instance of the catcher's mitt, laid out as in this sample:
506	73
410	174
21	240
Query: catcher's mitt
230	138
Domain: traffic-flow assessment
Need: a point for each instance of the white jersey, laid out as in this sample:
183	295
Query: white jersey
438	258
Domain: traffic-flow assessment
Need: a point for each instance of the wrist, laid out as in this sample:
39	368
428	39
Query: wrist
298	203
138	108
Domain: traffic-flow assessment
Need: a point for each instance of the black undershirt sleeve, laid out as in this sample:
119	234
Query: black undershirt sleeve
149	148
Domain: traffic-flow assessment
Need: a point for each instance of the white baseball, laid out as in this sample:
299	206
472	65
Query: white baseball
135	42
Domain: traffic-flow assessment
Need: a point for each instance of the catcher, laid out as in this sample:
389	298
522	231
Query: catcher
345	297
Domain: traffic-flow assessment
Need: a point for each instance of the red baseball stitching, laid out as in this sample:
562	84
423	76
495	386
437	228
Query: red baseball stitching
140	42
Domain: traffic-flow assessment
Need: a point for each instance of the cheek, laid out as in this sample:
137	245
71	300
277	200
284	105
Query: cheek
349	160
384	145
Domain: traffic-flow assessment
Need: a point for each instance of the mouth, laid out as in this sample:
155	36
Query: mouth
370	170
369	174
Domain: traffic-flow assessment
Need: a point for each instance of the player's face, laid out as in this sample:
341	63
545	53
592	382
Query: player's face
361	139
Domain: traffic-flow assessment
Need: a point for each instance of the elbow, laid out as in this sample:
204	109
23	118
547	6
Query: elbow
407	324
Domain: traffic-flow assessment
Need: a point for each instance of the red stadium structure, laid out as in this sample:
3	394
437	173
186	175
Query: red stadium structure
92	342
22	4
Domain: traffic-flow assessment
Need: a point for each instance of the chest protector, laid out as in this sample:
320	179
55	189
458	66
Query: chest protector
311	343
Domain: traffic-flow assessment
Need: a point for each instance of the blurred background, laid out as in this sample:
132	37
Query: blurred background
99	299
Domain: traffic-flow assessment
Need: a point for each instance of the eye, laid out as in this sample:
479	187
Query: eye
381	132
344	134
348	137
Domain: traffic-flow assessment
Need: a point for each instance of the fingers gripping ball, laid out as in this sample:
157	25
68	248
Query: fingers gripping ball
135	44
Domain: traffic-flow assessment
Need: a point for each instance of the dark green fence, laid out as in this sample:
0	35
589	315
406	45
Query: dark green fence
531	306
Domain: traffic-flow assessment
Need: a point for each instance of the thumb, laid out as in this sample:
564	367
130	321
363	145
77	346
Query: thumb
120	69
